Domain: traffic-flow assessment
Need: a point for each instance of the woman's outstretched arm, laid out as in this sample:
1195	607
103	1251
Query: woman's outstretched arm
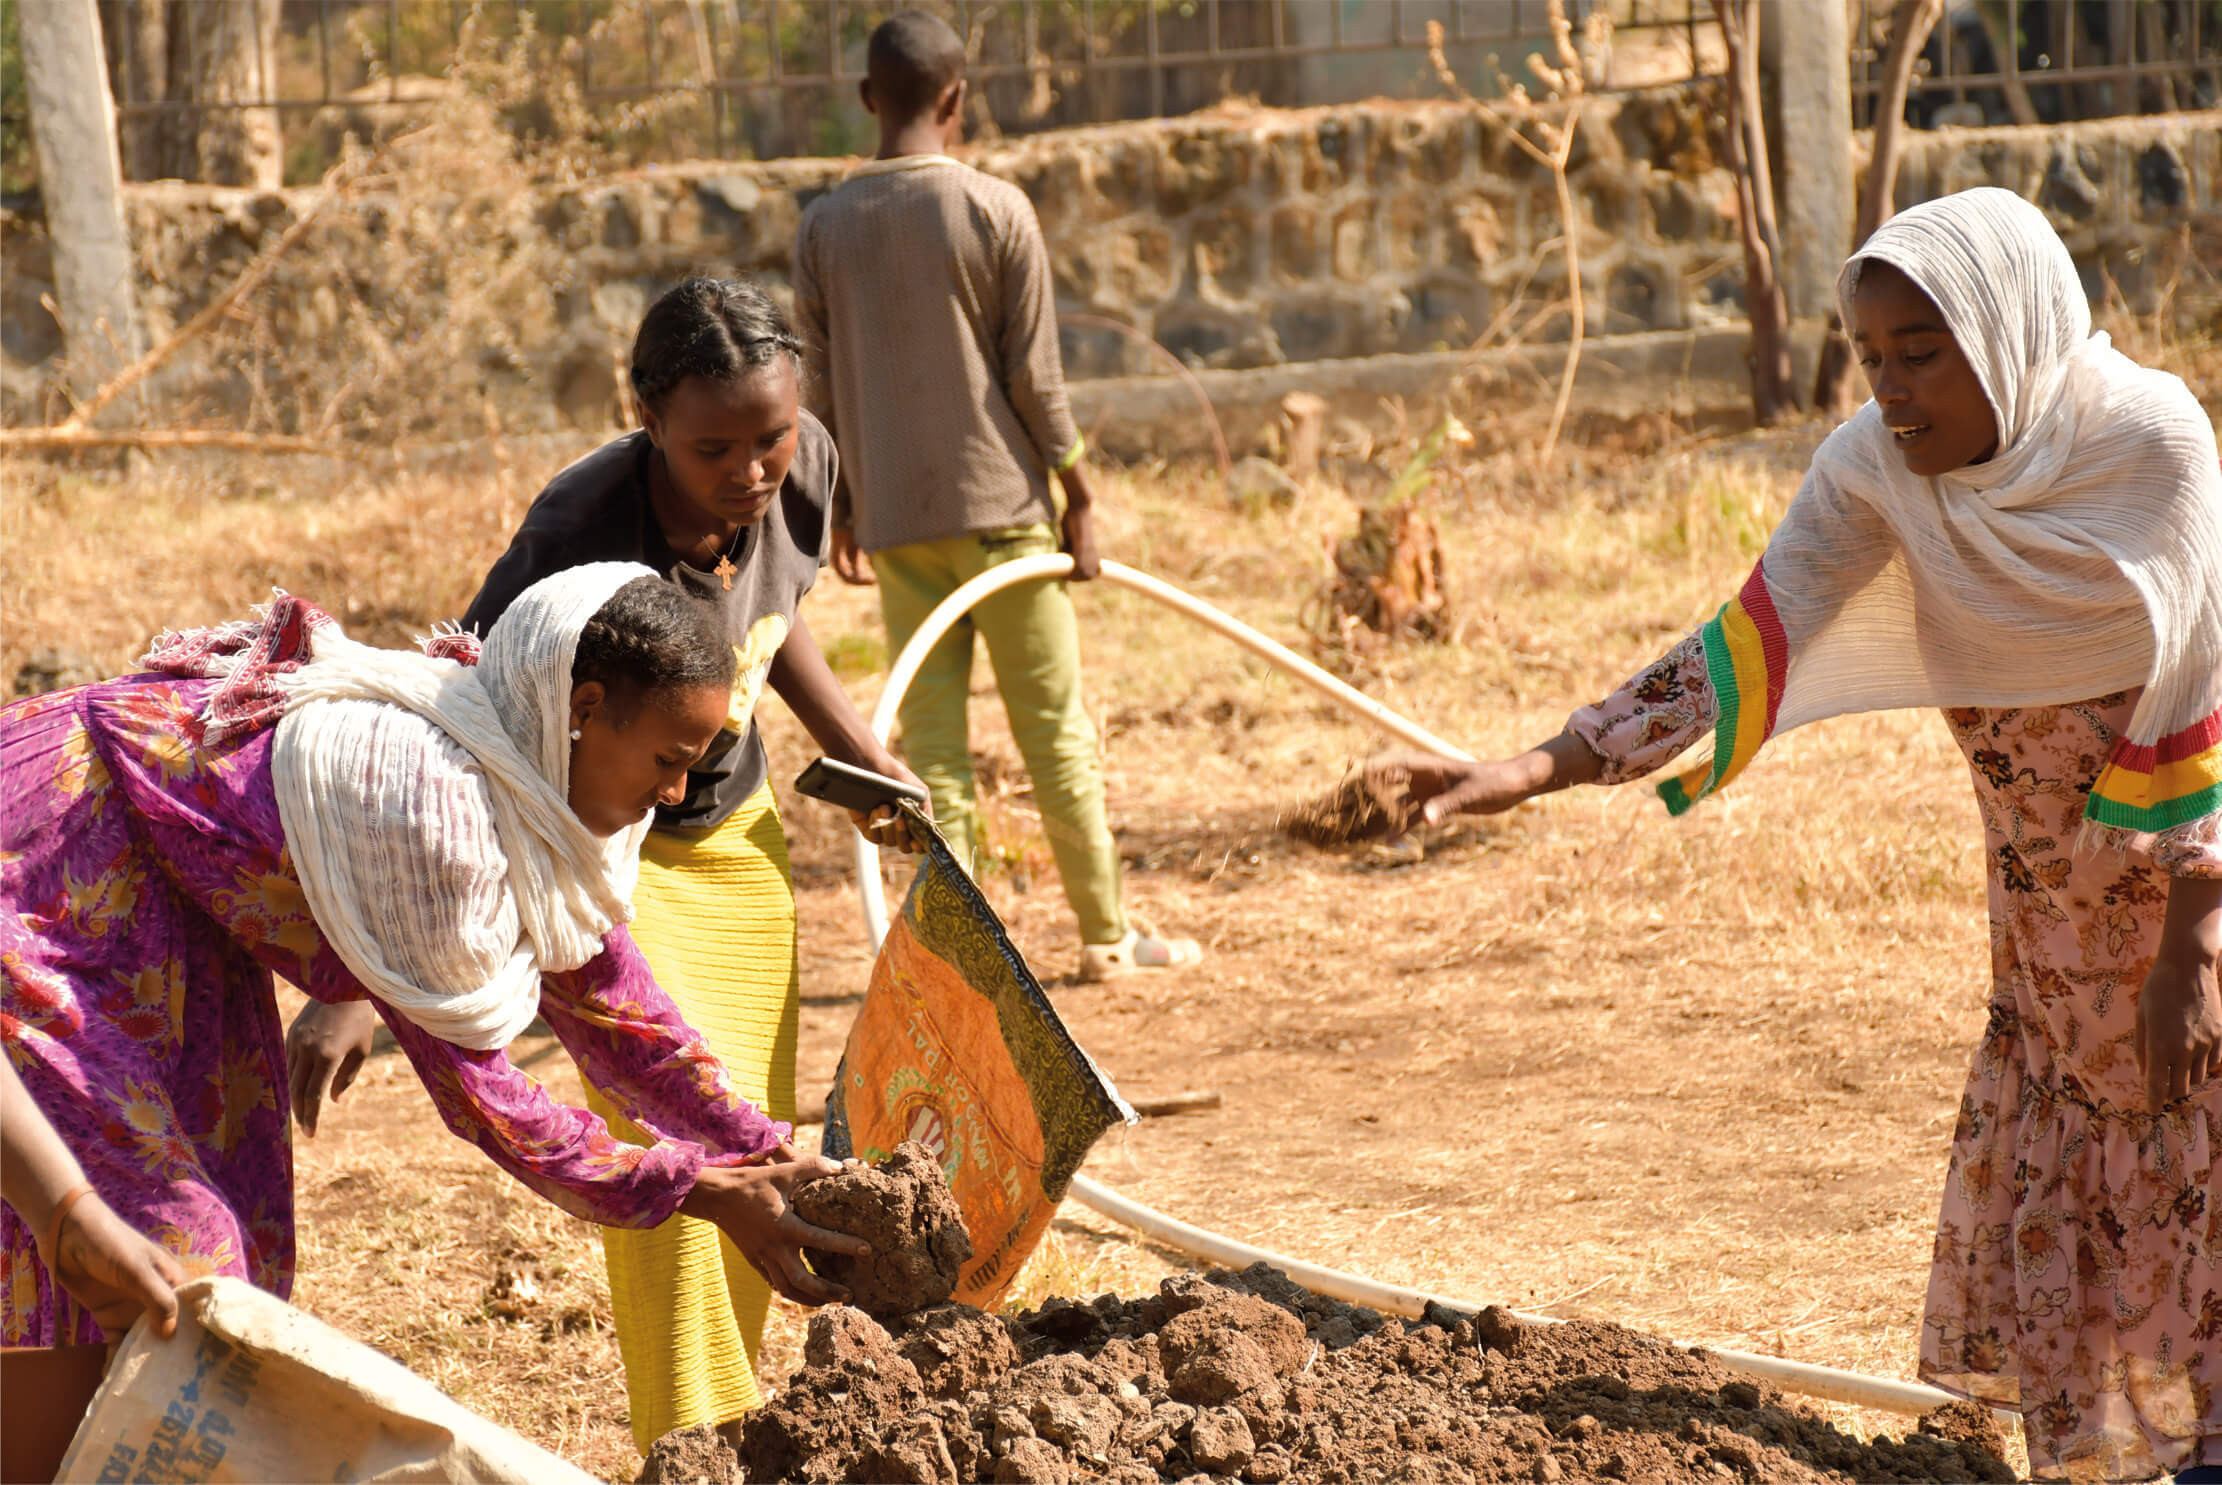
1437	788
1663	710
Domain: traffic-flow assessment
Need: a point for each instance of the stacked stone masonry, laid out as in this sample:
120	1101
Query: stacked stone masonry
1239	238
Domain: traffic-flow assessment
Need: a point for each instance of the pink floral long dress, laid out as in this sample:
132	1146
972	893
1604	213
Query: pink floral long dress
146	898
2077	1272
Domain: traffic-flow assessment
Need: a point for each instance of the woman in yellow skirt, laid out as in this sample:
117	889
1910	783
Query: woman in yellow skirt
726	488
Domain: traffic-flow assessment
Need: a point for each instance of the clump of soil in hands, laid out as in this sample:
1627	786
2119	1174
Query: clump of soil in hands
903	1207
1245	1376
691	1456
1368	805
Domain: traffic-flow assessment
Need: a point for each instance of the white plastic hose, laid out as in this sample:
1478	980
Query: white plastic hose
1792	1376
1391	1299
1118	575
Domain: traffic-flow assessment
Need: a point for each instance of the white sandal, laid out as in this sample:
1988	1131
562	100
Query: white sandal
1138	950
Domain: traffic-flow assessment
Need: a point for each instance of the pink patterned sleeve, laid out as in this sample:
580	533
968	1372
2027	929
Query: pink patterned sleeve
631	1042
628	1040
1658	714
564	1154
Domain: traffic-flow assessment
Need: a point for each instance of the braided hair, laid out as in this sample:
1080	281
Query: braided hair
651	637
719	328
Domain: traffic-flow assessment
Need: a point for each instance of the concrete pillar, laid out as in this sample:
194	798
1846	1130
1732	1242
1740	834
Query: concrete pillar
1806	79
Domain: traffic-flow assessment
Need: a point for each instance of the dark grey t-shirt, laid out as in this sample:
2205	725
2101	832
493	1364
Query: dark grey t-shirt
597	511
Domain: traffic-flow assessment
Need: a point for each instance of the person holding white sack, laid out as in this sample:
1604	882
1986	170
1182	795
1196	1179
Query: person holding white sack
453	835
2024	528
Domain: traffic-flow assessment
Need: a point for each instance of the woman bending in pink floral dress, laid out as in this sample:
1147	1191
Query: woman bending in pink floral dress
454	840
2025	529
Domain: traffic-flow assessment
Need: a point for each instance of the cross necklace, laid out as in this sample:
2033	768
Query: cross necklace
725	569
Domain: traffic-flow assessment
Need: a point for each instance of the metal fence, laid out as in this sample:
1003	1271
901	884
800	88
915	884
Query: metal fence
768	77
725	78
2047	61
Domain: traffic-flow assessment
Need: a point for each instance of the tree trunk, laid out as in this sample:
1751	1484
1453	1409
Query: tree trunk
73	125
1911	21
224	53
1773	390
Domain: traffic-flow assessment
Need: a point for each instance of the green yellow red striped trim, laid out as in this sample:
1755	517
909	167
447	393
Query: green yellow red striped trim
1746	657
2158	786
1071	457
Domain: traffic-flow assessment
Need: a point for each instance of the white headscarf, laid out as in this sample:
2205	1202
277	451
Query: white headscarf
425	806
2084	557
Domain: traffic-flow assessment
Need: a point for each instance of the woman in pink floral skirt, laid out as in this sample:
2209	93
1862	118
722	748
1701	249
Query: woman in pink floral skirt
2023	528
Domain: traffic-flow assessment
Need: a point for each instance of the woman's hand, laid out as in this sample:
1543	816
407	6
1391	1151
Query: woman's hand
1431	790
2179	1015
800	677
887	826
324	1049
108	1268
1076	529
1423	789
2179	1029
114	1272
849	562
749	1204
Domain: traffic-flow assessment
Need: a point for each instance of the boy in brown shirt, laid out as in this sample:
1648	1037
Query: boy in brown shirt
923	288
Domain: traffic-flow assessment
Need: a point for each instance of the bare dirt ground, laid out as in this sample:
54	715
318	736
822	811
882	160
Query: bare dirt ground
1695	1077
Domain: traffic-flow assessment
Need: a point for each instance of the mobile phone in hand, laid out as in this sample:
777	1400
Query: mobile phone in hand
857	789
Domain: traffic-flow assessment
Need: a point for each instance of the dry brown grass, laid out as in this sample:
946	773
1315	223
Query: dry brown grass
1697	1076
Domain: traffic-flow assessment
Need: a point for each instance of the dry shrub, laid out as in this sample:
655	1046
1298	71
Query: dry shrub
428	302
1388	584
1390	577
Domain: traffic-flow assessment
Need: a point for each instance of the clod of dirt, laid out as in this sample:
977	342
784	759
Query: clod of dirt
1366	806
1969	1424
691	1456
1246	1376
956	1349
1499	1329
904	1209
865	1392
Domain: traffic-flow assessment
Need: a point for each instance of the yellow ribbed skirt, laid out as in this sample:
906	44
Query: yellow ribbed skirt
715	916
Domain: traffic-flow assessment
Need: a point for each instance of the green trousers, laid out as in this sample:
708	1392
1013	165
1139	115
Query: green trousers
1033	640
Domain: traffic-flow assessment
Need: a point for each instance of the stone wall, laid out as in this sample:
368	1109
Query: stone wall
2137	200
1240	239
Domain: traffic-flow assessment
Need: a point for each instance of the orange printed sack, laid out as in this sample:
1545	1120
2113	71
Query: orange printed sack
958	1047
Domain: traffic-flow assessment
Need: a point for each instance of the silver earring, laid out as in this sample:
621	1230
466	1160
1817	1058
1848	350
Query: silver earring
576	734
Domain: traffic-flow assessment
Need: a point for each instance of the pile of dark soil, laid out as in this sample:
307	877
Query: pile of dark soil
1244	1376
904	1208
